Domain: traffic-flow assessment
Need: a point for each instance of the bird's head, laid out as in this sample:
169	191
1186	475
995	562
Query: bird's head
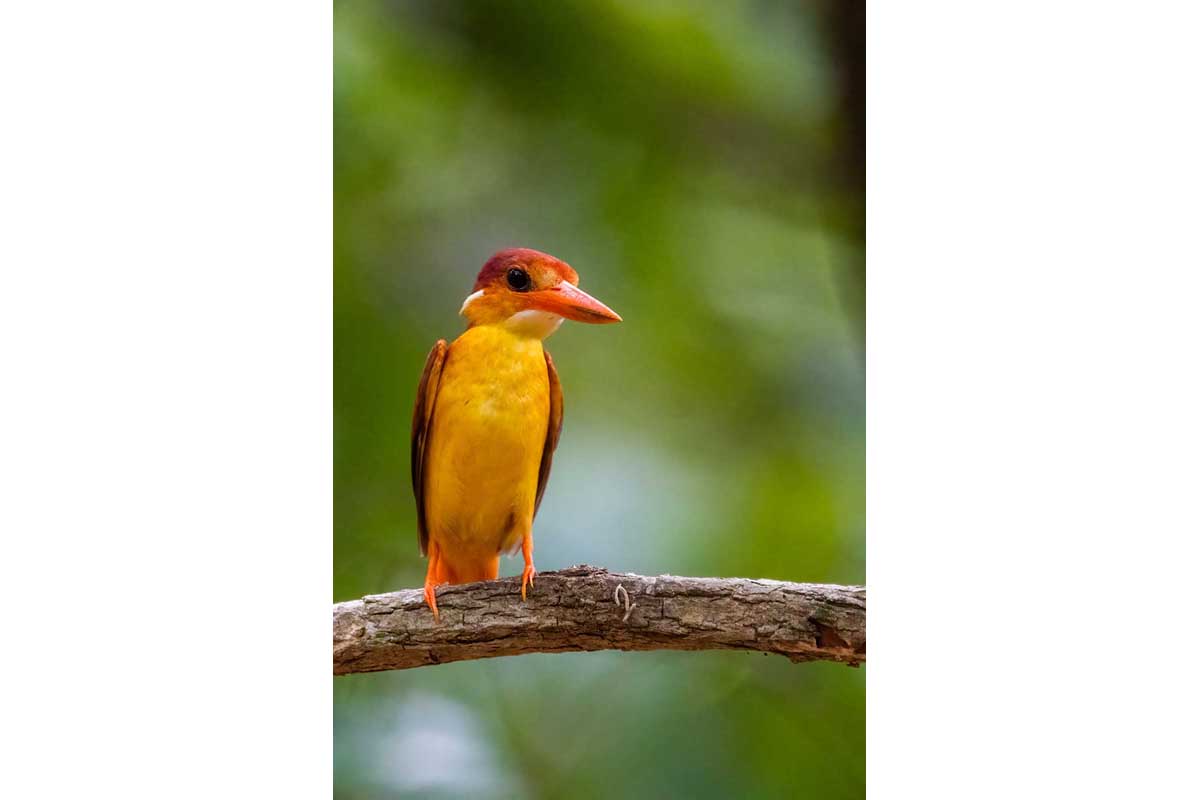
532	293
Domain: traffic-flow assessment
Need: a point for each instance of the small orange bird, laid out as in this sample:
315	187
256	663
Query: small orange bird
488	415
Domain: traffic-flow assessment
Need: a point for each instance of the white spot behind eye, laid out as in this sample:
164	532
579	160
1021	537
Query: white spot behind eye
470	299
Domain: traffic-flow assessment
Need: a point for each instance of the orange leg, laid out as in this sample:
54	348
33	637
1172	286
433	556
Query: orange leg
529	571
433	577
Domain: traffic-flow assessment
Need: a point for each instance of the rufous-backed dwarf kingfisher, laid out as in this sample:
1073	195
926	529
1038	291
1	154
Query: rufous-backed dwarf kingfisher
488	415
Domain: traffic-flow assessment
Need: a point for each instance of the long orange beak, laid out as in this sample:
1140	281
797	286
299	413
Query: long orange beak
573	303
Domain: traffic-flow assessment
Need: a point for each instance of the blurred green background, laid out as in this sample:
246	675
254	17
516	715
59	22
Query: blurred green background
700	165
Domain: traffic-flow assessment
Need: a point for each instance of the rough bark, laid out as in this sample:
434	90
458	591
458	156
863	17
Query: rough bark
587	608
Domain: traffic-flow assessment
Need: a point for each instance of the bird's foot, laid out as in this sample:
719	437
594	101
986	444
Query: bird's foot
527	578
431	598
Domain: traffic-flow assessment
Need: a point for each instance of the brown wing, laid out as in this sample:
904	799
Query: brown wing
421	428
553	431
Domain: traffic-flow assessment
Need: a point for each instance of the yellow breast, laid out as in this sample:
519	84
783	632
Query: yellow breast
488	431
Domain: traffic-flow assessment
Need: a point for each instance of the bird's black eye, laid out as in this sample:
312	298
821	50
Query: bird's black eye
518	280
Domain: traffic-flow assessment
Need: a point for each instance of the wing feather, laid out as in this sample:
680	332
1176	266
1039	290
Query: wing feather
553	431
421	428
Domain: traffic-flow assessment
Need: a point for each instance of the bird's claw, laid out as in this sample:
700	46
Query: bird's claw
527	578
431	598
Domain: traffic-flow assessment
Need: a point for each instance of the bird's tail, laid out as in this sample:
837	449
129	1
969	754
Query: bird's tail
465	571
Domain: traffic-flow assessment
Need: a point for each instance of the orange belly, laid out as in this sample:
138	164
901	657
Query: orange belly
488	430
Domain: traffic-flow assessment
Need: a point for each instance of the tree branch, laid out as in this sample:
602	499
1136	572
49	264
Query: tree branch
588	608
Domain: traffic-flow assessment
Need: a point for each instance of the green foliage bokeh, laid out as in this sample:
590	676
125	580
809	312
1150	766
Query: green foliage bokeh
690	161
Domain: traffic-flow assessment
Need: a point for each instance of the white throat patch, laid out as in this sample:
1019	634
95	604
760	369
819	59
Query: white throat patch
538	324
